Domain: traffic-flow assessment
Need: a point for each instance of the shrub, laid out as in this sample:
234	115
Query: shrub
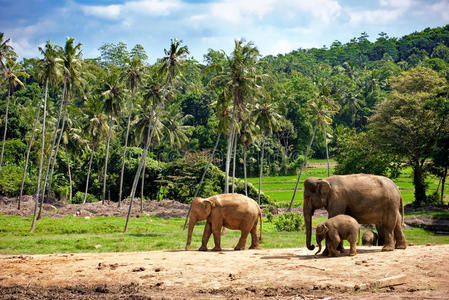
289	222
79	197
11	179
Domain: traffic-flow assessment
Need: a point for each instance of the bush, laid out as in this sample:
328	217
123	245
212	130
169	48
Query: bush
289	222
79	197
11	179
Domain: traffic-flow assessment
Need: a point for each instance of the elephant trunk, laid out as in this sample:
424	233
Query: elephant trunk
308	222
192	223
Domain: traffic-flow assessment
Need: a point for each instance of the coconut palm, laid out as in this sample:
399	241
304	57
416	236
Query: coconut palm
171	67
49	73
133	73
322	107
6	51
238	80
175	130
71	61
13	69
112	93
248	133
266	117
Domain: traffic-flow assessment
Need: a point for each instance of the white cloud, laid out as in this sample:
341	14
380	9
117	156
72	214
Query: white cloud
323	11
109	11
389	11
441	9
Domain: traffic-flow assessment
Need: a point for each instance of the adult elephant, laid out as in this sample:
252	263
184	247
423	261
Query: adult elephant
369	199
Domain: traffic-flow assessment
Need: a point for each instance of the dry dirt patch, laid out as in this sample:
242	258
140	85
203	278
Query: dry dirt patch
268	273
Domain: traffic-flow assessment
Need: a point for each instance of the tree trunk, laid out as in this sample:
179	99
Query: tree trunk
6	127
202	178
106	159
124	150
233	161
228	152
244	170
327	151
261	168
442	186
142	185
33	224
70	174
30	144
302	167
88	174
150	132
418	182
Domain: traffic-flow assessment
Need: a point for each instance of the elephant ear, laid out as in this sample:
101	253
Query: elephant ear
324	189
322	229
210	202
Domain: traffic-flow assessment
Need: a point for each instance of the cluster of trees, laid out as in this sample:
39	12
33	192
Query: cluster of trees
83	128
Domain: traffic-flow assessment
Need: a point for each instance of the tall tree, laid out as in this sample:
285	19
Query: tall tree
238	80
112	93
133	73
49	73
6	51
409	122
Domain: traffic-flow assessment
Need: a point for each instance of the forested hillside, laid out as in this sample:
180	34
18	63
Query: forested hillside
68	121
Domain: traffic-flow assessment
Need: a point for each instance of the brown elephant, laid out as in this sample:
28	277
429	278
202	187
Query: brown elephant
335	230
369	238
369	199
233	211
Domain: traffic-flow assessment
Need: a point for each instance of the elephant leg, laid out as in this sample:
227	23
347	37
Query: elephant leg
352	242
254	239
388	228
399	236
216	231
206	235
334	242
340	247
380	234
242	241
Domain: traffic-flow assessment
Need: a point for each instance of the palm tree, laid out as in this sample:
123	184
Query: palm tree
323	107
171	67
248	132
113	97
175	130
134	77
267	118
238	80
13	69
71	61
6	51
49	73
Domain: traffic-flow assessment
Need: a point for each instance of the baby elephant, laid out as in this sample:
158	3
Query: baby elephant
233	211
369	238
335	230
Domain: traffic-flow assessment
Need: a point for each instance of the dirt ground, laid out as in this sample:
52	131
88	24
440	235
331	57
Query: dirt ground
419	272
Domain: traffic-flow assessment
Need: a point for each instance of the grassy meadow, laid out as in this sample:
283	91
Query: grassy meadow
105	234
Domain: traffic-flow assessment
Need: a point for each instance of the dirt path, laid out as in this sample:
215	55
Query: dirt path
415	273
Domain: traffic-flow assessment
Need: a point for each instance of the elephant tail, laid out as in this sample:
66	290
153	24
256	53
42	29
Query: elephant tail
260	217
402	212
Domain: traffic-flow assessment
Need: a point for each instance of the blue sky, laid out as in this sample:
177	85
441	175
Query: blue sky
274	26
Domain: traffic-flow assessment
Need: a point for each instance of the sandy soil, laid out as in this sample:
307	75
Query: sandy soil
419	272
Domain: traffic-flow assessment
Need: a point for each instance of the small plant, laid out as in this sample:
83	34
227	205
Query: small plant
79	197
289	222
269	214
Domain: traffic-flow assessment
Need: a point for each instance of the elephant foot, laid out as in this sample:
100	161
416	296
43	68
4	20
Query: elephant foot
239	248
387	248
216	249
254	247
352	253
401	246
202	248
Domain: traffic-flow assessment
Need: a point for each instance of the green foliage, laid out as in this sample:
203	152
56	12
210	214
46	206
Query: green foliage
11	179
289	222
79	198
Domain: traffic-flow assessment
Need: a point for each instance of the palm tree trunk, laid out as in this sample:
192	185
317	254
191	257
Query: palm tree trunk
142	185
228	153
30	144
244	170
33	224
124	150
150	133
70	174
442	186
261	168
53	162
106	159
202	178
327	151
88	174
302	167
233	160
6	127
